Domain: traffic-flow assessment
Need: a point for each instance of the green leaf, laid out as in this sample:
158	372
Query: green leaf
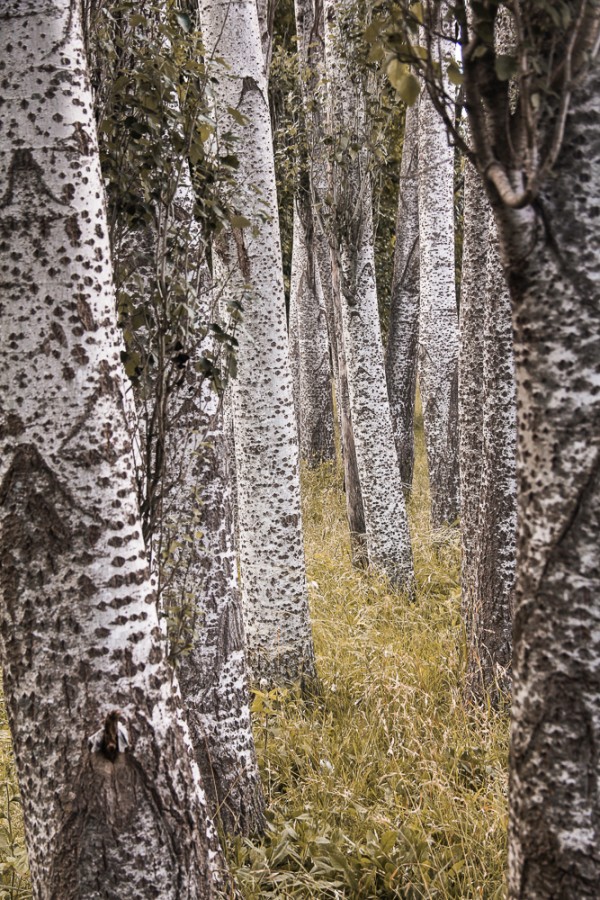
455	75
505	66
237	116
417	11
185	21
406	85
240	221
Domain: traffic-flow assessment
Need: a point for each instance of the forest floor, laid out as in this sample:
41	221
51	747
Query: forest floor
384	785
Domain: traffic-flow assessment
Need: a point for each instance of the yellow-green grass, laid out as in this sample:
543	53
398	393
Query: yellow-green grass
383	785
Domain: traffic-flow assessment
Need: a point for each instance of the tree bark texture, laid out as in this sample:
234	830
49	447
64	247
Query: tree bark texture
388	539
111	793
275	599
315	402
201	583
554	274
438	322
198	563
487	444
310	30
403	340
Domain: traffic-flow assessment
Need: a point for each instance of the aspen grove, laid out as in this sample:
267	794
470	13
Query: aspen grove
299	442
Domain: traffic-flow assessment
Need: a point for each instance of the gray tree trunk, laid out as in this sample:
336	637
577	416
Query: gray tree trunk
554	277
310	30
438	324
112	797
403	340
487	451
249	270
388	539
315	402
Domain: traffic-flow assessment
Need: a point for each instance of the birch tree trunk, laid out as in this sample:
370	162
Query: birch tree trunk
403	339
388	539
554	276
310	30
438	323
315	403
274	589
112	797
201	583
488	453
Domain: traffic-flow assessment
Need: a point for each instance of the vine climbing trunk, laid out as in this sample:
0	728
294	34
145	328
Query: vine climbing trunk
111	793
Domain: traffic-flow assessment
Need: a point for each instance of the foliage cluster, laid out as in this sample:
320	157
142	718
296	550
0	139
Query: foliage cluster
384	785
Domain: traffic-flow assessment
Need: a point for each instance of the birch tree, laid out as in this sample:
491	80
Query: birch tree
403	338
310	31
540	170
487	450
111	793
388	539
181	354
248	257
315	403
438	316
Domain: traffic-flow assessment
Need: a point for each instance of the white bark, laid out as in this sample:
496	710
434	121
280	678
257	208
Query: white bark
438	322
402	347
315	404
249	261
112	797
388	539
487	451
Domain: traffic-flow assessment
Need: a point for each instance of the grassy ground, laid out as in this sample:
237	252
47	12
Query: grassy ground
384	786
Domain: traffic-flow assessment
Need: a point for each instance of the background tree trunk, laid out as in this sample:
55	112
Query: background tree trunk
403	338
487	444
315	403
388	539
112	797
271	548
438	323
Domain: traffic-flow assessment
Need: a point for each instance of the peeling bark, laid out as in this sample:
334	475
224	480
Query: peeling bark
112	797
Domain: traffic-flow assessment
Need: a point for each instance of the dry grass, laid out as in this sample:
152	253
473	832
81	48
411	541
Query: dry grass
384	785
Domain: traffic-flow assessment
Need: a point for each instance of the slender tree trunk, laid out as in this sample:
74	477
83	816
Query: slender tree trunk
438	324
554	275
315	403
403	340
310	30
388	540
293	338
487	444
112	797
271	548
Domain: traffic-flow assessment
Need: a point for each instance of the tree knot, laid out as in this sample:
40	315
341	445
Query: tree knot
112	738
